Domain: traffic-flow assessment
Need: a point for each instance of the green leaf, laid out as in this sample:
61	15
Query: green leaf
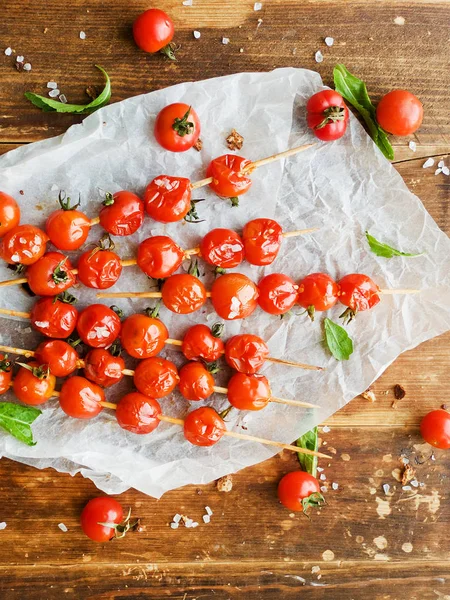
310	441
338	341
16	419
354	90
384	250
49	105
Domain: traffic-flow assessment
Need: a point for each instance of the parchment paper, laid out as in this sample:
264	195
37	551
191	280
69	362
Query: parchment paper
344	188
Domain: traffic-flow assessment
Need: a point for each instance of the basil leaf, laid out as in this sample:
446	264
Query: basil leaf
354	90
16	419
338	341
310	441
384	250
49	105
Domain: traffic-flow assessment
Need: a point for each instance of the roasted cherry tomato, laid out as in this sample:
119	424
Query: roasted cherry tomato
204	427
248	392
101	367
277	293
54	317
168	199
137	413
246	353
159	256
156	377
234	296
98	326
196	382
51	275
122	213
143	336
153	31
67	227
177	127
34	384
61	357
24	245
80	398
9	213
400	112
6	373
435	429
183	293
262	240
317	292
222	248
228	179
299	490
327	115
202	343
97	512
99	268
358	292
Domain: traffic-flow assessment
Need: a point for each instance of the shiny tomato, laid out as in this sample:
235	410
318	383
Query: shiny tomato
202	343
137	413
299	490
277	293
34	384
358	292
159	256
61	357
6	373
317	292
99	268
51	275
98	326
400	112
101	367
9	213
204	427
54	317
234	296
80	398
96	513
246	353
153	30
168	199
248	392
196	382
327	115
222	248
143	336
24	245
156	377
262	240
122	213
228	179
67	227
177	127
435	429
183	293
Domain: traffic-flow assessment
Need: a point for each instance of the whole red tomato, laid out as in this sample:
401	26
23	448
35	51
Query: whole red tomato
97	516
222	248
317	292
143	336
204	427
177	127
168	199
101	367
262	240
229	180
234	296
99	268
122	213
80	398
435	429
277	293
153	31
248	392
156	377
246	353
6	373
400	112
34	384
61	357
196	382
358	292
24	245
183	293
51	275
159	256
138	414
9	213
54	317
202	343
299	490
98	326
327	115
67	227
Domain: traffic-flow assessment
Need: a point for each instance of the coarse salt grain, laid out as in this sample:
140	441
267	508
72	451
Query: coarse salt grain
206	518
323	488
197	34
174	525
412	145
326	429
20	59
2	525
318	56
414	483
177	518
62	527
8	51
194	524
208	511
446	170
441	164
386	488
53	93
225	41
187	2
438	171
329	41
433	457
315	569
335	486
82	35
63	99
257	6
52	85
406	488
27	67
428	163
323	477
320	470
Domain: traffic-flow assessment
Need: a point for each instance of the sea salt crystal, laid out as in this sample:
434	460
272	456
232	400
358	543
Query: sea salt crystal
318	56
208	510
407	488
386	488
320	470
329	41
323	488
20	59
53	93
428	163
27	67
174	525
438	171
433	457
323	477
257	6
414	483
225	41
177	518
63	99
2	525
52	85
412	146
194	524
82	35
187	2
326	429
446	171
441	164
197	34
206	519
8	51
62	527
315	569
335	486
188	523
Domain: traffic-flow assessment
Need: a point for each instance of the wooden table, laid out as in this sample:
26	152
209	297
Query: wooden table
364	544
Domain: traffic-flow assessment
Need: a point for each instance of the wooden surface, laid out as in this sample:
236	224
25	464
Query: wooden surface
366	544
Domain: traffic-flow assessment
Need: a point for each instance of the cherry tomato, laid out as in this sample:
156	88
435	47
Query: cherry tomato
183	293
168	199
228	179
137	413
24	245
201	342
159	256
80	398
34	384
234	296
153	30
61	357
99	268
98	326
358	292
262	240
327	115
156	377
122	213
9	213
400	112
298	490
435	429
97	511
143	336
277	293
67	227
204	427
54	317
177	127
317	292
222	248
51	274
101	367
196	382
6	373
248	392
246	353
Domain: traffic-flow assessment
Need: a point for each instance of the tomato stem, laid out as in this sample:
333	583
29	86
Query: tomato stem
5	364
153	312
333	114
217	330
66	298
109	199
348	315
106	243
59	275
169	50
234	201
41	371
64	201
119	312
192	215
183	126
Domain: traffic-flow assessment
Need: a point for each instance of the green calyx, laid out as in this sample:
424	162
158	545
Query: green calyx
312	501
64	201
217	330
183	126
332	114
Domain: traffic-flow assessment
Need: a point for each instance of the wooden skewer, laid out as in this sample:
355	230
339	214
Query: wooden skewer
95	221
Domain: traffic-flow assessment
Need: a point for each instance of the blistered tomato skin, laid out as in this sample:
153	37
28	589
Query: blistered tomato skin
24	245
183	293
204	427
102	368
68	229
168	199
122	213
234	296
248	392
51	275
246	353
53	318
196	382
156	377
9	213
138	413
199	343
99	269
319	291
80	398
228	179
358	292
60	356
277	293
32	389
262	241
98	326
159	256
142	336
222	248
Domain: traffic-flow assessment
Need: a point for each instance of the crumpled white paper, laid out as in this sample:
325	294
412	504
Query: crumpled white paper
344	187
